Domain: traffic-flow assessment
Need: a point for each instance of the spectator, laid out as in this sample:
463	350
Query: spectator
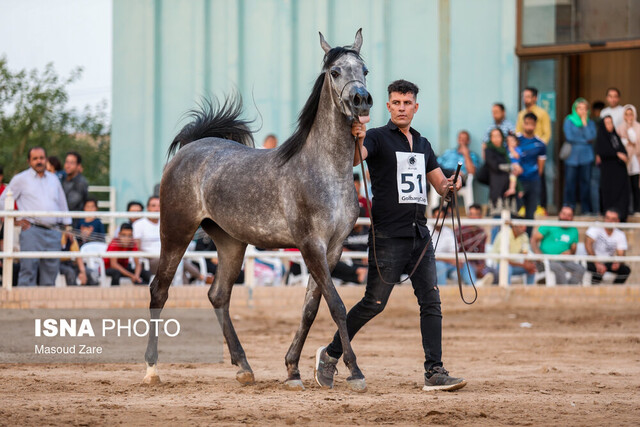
73	270
542	130
614	109
499	121
614	191
532	156
629	133
607	241
501	181
596	110
472	239
132	206
117	268
36	189
362	201
75	185
579	131
552	240
146	232
205	243
518	244
2	184
91	228
470	161
270	141
54	166
446	240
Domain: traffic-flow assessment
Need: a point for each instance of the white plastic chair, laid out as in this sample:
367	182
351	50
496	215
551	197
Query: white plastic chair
96	263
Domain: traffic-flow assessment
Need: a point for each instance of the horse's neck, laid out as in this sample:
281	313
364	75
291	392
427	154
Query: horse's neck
330	142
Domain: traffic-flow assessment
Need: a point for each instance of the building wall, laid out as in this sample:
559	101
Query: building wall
168	54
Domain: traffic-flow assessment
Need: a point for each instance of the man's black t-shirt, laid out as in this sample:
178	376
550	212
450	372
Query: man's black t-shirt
398	180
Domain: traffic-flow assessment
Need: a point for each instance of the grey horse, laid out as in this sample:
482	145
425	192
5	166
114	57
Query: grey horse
298	195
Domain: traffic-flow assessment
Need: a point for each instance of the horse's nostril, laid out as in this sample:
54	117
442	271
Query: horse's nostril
357	100
369	100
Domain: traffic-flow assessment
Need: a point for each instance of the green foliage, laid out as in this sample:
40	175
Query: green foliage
34	112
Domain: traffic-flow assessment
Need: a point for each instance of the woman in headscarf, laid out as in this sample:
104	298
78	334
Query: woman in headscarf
629	133
501	182
614	185
578	131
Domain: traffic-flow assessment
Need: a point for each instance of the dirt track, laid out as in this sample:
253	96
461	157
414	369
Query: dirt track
578	364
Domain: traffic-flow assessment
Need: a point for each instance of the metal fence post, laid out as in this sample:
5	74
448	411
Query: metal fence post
503	273
7	262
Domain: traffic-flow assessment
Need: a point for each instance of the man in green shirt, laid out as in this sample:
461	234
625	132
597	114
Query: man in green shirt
556	241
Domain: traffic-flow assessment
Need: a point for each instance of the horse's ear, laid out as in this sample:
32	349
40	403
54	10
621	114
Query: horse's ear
323	43
357	44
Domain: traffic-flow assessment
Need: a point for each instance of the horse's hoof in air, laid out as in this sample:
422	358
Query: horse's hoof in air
294	385
151	380
245	377
358	385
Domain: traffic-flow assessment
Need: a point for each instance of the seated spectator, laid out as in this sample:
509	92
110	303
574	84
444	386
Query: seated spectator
73	270
120	267
518	244
91	228
362	201
133	206
445	268
552	240
470	161
354	270
472	239
607	241
206	244
146	232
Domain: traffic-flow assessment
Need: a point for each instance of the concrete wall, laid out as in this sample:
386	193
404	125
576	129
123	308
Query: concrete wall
170	53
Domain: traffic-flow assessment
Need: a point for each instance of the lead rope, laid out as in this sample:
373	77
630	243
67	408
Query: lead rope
424	251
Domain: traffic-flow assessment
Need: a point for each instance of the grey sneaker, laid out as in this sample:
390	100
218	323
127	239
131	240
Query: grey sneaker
438	379
325	368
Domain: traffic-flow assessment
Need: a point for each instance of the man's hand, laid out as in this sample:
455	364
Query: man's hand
530	267
82	277
601	268
24	224
615	266
516	169
359	130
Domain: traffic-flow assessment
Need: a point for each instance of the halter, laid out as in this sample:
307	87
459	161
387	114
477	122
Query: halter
342	105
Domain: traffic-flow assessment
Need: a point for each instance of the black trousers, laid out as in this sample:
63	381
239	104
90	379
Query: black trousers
622	274
116	275
398	255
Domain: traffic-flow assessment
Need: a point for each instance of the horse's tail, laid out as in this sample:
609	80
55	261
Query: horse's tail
213	120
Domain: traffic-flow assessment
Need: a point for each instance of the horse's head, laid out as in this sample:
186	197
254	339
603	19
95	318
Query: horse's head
347	75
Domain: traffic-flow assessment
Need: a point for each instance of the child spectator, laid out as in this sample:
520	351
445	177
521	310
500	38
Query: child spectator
91	228
120	267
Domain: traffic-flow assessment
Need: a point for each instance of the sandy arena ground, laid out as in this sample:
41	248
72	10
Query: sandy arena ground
578	364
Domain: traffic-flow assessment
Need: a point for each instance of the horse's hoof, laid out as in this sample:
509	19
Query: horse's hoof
358	385
294	385
151	380
245	377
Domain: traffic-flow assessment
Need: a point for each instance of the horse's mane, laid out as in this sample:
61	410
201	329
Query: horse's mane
307	116
212	120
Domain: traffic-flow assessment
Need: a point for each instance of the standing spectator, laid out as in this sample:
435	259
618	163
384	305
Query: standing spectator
270	141
472	239
614	190
542	130
596	110
37	189
117	268
594	186
446	239
91	228
629	133
579	131
518	244
614	109
502	183
146	232
552	240
75	185
470	161
607	241
500	121
362	201
533	154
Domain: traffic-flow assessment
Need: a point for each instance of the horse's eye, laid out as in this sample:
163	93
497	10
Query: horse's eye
335	73
365	72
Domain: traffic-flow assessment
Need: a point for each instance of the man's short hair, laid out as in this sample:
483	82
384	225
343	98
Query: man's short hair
533	90
597	105
134	203
476	206
356	177
151	198
126	226
500	105
466	132
35	148
609	89
614	210
403	86
90	200
530	116
76	155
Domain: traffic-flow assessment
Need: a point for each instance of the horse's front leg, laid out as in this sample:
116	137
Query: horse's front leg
314	254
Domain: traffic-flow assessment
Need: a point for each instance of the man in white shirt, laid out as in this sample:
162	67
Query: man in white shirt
614	109
607	241
146	232
37	189
446	268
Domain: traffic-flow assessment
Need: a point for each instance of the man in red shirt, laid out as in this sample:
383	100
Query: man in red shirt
120	267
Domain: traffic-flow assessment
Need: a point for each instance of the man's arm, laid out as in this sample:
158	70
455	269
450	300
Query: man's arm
545	122
541	162
468	161
359	130
441	183
536	238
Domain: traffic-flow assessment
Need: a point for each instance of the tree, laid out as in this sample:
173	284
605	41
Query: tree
34	112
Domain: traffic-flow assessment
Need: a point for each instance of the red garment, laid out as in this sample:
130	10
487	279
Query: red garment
364	207
474	239
2	188
116	245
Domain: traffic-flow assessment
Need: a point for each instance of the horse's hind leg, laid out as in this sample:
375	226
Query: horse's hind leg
230	257
173	247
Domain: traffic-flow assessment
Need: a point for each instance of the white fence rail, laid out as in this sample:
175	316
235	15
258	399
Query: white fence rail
503	258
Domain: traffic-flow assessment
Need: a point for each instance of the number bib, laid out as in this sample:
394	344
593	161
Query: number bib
411	180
